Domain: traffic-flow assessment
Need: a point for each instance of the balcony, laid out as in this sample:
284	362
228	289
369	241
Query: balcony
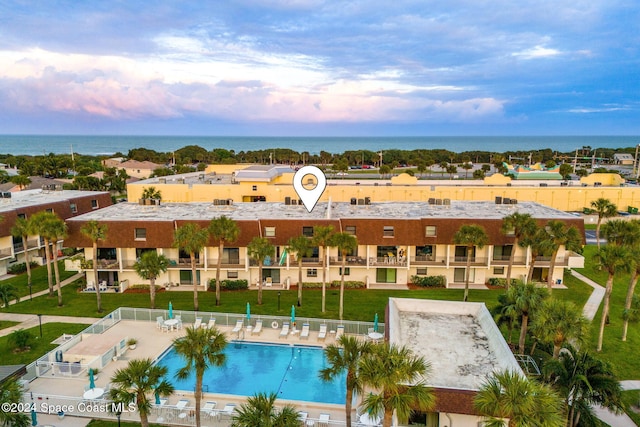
351	260
33	243
570	259
108	264
184	263
307	262
504	260
388	261
17	248
271	263
462	261
5	253
427	260
226	263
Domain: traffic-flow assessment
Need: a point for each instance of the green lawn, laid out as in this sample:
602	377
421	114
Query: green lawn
38	279
632	399
39	346
617	352
6	324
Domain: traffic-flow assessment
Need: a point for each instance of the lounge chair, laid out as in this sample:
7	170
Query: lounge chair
304	333
269	282
182	403
257	328
302	417
323	420
285	330
197	323
339	331
228	409
322	334
208	408
212	323
238	327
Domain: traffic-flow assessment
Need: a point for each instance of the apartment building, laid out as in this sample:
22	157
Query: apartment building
396	240
22	204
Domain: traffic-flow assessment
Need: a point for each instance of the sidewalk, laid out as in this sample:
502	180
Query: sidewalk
593	303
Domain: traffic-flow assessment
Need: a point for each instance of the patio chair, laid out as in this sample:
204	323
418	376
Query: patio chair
269	282
322	334
285	330
159	322
302	417
339	331
323	420
208	408
257	329
238	327
197	323
304	333
228	409
179	319
212	323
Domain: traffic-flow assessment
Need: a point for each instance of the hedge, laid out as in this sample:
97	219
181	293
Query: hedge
499	282
429	281
229	285
21	268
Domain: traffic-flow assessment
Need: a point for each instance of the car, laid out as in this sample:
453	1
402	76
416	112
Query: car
342	174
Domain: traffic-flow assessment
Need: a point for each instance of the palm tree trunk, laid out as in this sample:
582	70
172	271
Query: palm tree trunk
628	301
197	394
57	273
26	260
598	232
556	350
512	259
347	406
144	420
152	291
531	267
95	275
605	310
324	277
552	266
260	261
387	418
47	258
523	333
344	264
467	275
218	267
299	281
194	281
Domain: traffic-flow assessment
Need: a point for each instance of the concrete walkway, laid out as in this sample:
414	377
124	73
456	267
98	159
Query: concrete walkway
593	303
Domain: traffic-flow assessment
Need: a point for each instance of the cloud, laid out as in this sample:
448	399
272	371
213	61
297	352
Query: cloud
537	52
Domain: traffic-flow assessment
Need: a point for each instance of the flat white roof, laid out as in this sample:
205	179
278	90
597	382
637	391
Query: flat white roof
459	339
339	210
26	198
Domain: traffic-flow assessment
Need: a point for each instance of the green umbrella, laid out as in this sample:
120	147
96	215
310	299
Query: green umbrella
170	310
34	418
248	313
375	323
92	383
293	314
157	397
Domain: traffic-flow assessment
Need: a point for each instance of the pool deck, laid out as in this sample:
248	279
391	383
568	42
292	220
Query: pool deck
152	342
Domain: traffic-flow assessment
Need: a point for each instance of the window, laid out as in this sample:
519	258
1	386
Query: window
141	234
107	253
50	210
430	230
386	275
388	231
94	204
459	275
350	229
498	270
347	271
23	216
502	253
421	272
312	272
231	256
232	274
74	208
307	231
269	232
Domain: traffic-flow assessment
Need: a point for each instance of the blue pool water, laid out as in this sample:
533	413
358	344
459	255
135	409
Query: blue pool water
289	371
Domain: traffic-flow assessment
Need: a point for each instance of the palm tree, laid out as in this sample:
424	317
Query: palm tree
584	382
519	226
136	382
633	281
346	243
201	348
260	411
527	298
22	181
322	238
399	378
470	236
524	402
151	193
561	235
8	293
301	246
149	267
95	231
259	248
540	245
621	232
223	230
605	209
38	220
505	313
344	356
631	314
558	322
613	259
11	393
52	229
191	239
22	229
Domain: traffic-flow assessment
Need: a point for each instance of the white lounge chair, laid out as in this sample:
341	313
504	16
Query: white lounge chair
323	420
304	333
197	323
228	409
339	331
257	328
179	319
212	323
238	327
302	417
208	408
285	330
322	334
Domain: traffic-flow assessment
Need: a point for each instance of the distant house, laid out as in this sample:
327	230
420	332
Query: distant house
133	168
623	159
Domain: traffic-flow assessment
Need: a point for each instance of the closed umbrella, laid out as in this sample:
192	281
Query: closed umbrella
170	310
293	314
92	383
157	397
34	418
248	313
375	323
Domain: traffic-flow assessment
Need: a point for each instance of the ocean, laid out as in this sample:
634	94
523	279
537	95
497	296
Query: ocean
107	145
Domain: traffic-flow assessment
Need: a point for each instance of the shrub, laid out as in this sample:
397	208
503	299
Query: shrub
499	282
348	284
229	285
21	268
143	286
20	339
68	251
429	281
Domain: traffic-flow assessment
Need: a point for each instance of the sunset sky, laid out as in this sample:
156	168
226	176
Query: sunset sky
326	68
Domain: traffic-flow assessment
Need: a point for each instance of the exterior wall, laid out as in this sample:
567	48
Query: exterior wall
459	420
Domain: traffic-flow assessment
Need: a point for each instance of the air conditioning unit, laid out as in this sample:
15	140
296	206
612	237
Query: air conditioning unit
294	202
446	201
287	200
361	201
354	201
229	202
431	201
506	201
367	200
498	200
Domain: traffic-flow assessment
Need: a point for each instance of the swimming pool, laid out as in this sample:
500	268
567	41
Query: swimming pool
291	371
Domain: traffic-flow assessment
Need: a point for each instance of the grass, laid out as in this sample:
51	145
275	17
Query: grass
38	279
614	349
632	398
39	346
7	324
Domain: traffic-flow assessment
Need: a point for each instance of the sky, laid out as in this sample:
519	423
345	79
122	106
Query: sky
320	68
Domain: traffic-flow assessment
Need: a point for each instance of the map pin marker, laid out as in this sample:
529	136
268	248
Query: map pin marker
309	196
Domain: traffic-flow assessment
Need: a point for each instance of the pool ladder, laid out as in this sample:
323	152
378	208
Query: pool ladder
241	335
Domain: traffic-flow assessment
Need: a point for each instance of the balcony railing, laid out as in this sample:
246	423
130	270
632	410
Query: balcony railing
351	260
388	260
272	263
315	261
226	263
504	260
18	247
108	264
184	263
5	253
462	260
570	259
427	260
